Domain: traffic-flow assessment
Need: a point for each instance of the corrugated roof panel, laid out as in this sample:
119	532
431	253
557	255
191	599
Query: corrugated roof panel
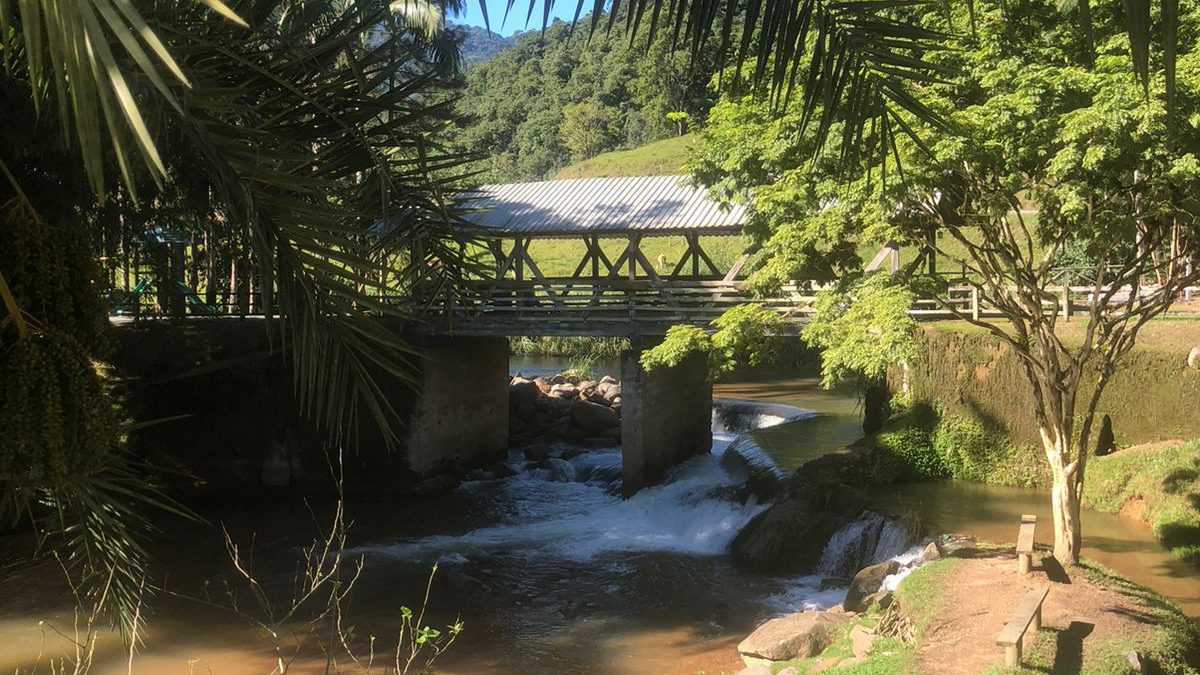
581	206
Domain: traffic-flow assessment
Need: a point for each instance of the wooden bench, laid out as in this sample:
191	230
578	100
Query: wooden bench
1025	544
1028	614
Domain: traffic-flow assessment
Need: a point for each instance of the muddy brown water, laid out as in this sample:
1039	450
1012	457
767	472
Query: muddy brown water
547	576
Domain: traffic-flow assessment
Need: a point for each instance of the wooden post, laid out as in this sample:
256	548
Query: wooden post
1066	300
1012	655
975	303
1036	624
1024	563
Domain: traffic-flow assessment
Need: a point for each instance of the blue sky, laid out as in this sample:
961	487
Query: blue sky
563	9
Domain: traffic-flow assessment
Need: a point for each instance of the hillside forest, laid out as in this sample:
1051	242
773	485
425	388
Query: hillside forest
566	95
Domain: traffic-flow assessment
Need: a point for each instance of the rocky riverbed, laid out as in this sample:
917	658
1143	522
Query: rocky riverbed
563	408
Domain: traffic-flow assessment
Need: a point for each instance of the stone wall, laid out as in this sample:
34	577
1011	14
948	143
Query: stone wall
666	417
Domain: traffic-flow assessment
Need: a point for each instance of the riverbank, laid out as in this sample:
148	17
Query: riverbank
944	616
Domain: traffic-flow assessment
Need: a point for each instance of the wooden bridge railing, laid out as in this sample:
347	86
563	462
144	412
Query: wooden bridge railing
566	305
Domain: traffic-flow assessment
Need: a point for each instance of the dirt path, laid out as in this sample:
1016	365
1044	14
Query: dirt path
980	594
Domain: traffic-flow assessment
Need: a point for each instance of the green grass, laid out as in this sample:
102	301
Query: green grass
660	158
1166	479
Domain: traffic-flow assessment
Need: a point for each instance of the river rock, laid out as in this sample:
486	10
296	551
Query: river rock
557	379
862	589
1193	359
564	390
554	406
542	385
795	636
791	534
756	669
593	417
500	470
608	379
520	407
862	641
560	470
950	543
930	553
523	387
535	452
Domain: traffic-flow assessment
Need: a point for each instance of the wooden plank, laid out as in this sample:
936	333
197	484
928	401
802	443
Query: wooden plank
1021	617
1025	534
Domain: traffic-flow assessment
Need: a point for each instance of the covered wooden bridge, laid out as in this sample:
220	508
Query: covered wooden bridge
616	288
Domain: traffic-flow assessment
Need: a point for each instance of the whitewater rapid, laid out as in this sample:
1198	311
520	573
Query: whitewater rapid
572	511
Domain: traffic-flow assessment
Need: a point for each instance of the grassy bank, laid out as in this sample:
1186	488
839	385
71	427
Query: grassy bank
923	625
1159	484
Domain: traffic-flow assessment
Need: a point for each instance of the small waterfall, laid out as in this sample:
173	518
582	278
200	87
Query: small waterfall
735	415
733	419
870	539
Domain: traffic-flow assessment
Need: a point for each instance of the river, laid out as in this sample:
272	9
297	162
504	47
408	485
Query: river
551	573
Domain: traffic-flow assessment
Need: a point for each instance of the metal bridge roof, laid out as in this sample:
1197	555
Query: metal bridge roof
648	205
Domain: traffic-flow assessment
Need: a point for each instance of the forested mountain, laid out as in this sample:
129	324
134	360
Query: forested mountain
555	98
479	44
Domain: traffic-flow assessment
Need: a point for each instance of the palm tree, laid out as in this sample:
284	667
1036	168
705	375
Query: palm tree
296	126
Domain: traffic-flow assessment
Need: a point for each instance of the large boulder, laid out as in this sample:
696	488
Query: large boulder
791	534
564	390
795	636
524	388
593	417
861	593
1193	359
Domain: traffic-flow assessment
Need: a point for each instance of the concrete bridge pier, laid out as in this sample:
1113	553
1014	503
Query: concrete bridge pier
460	416
666	417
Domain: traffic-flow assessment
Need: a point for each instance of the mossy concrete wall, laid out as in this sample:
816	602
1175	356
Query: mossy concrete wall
666	417
1153	395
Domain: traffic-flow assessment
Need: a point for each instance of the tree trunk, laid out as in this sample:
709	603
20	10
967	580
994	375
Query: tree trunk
1065	495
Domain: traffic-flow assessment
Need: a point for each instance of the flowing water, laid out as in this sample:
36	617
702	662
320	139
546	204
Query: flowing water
550	570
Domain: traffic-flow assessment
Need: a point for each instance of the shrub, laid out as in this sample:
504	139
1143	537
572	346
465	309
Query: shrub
905	450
